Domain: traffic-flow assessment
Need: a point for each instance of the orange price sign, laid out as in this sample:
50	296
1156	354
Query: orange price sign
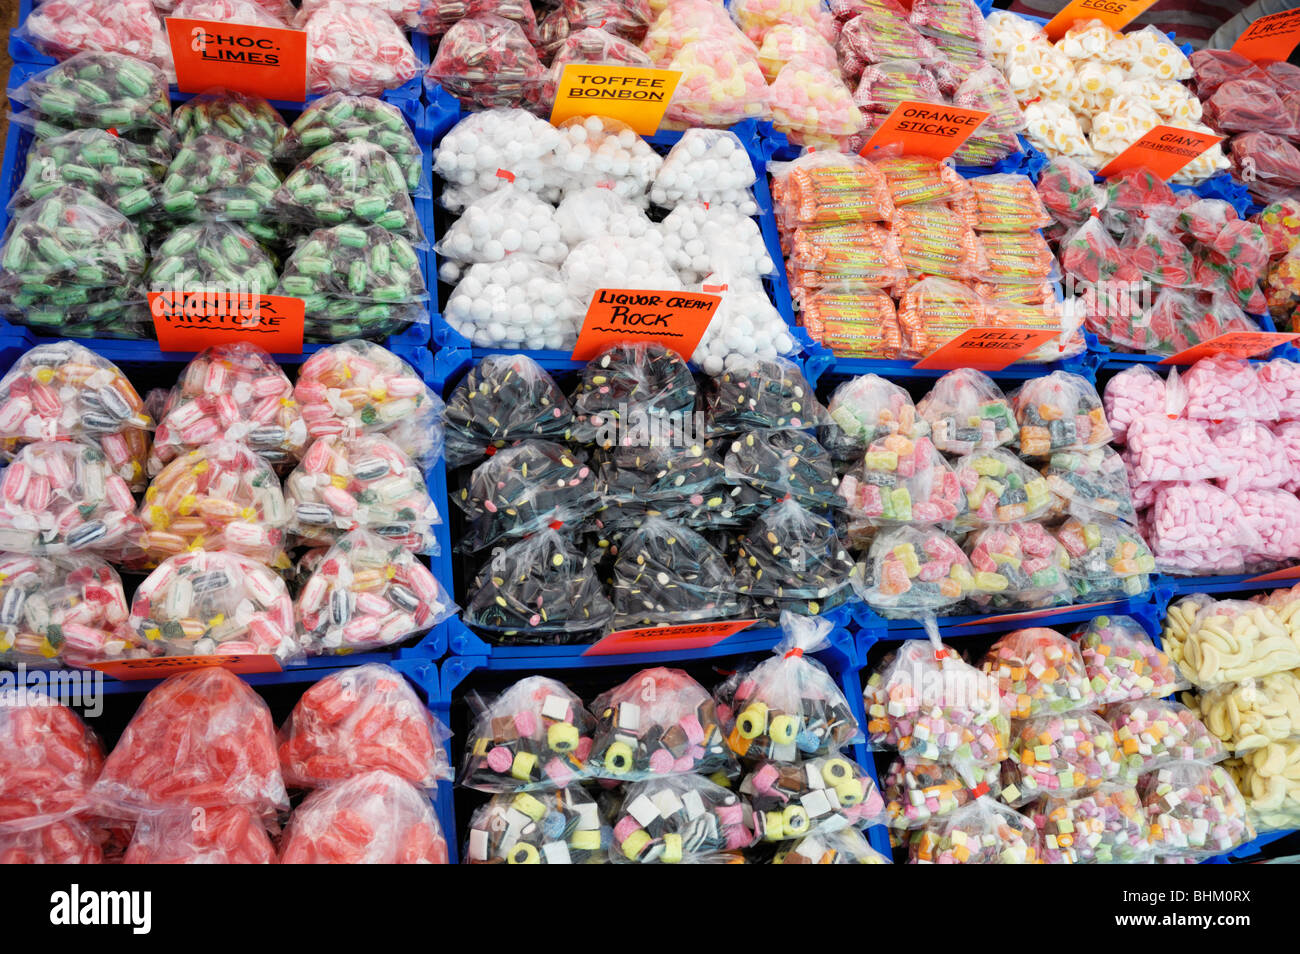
674	319
1270	38
663	639
636	95
925	129
160	667
1290	573
1239	344
194	320
257	60
986	349
1116	14
1164	150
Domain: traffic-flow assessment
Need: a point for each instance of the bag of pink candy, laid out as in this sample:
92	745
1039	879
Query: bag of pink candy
487	61
1195	810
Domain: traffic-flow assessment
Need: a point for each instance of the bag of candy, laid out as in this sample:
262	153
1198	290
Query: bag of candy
1107	559
791	559
49	760
843	847
1061	411
503	399
540	828
666	573
682	819
820	796
911	571
1105	827
1039	672
1018	566
1195	810
983	832
1061	755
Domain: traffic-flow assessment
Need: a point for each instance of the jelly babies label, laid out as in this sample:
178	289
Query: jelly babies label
1270	38
663	639
674	319
160	667
925	129
259	61
194	320
636	95
1116	14
1239	344
986	349
1164	150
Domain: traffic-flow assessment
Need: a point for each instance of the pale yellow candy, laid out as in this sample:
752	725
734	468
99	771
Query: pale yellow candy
1269	779
1155	55
1088	40
1051	123
1249	715
1113	131
1098	83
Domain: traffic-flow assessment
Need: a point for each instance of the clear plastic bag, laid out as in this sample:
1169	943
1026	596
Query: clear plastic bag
96	90
982	832
700	239
501	225
920	791
911	571
1253	713
818	797
1226	388
487	61
481	144
66	842
212	178
1061	411
523	489
1062	755
902	481
1040	673
533	737
521	303
356	182
211	257
232	392
61	499
882	86
201	603
1154	732
843	847
249	120
1135	392
935	310
365	594
763	394
595	211
407	14
220	496
966	411
634	385
640	263
1195	810
811	105
504	398
745	323
217	836
1265	778
200	739
721	84
780	464
853	320
356	49
660	722
849	253
1092	483
593	45
1108	560
267	13
1165	449
361	720
1105	827
1230	641
787	708
1000	488
879	33
49	760
541	828
359	387
376	819
1198	517
1255	459
61	29
118	172
600	152
342	117
825	188
791	559
382	491
1018	566
683	819
1069	192
866	409
666	573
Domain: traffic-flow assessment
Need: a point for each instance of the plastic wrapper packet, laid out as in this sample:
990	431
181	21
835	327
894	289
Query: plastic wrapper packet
911	570
679	820
920	791
221	496
699	240
540	828
50	762
201	739
758	393
1274	164
1091	484
746	322
438	16
1107	826
69	841
865	409
375	818
787	708
843	847
780	464
520	303
213	178
1133	393
810	103
61	499
1194	809
508	223
515	140
504	398
342	117
535	736
966	411
356	49
1039	672
588	46
1223	388
227	836
660	722
61	29
203	259
822	188
203	602
365	482
633	386
359	387
487	61
64	391
1062	755
981	832
358	721
1168	450
249	120
367	593
666	573
1018	566
722	83
821	796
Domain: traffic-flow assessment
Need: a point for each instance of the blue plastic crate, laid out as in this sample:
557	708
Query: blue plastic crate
146	367
18	142
840	660
1179	586
20	51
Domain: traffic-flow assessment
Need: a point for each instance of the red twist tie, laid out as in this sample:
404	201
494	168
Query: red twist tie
981	789
796	652
505	174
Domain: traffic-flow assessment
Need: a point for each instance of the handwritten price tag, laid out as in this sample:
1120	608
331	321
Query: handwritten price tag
636	95
663	639
1239	344
986	349
192	321
1164	150
1270	38
1116	14
161	667
674	319
257	60
925	129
